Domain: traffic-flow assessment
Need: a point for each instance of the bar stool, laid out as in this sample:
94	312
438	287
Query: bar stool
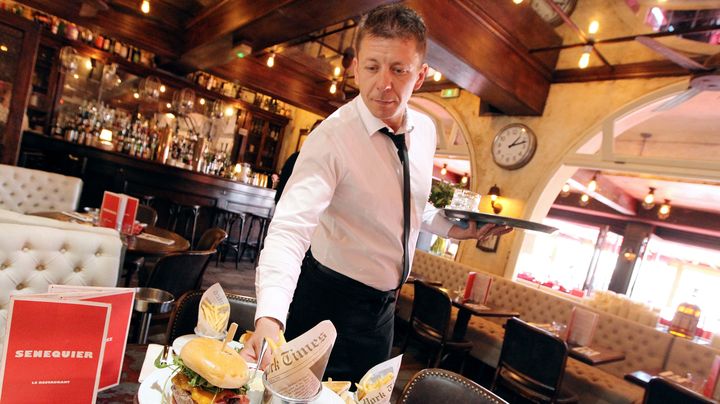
147	200
227	220
184	217
257	243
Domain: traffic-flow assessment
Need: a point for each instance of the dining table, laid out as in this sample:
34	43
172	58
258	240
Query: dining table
595	355
467	309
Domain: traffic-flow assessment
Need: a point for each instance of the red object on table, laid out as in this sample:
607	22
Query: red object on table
118	212
469	285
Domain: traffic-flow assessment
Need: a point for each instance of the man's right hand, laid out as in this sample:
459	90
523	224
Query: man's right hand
264	327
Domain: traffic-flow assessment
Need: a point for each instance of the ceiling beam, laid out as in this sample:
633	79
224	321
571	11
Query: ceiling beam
145	33
606	191
283	81
476	44
641	70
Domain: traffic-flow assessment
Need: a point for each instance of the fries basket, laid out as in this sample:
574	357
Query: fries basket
270	396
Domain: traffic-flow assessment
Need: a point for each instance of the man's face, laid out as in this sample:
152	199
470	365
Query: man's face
387	72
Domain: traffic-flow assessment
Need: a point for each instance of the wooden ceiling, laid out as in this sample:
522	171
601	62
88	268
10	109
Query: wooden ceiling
476	44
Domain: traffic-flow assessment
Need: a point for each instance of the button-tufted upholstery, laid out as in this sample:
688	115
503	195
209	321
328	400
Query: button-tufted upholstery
645	347
36	252
24	190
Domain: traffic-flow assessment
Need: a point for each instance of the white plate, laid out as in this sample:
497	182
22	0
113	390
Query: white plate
180	342
157	386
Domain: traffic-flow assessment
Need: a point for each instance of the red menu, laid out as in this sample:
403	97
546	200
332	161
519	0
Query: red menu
121	300
711	384
53	350
477	288
581	326
118	211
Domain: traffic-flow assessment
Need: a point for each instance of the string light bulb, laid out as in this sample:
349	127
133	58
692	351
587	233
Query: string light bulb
89	63
592	185
584	61
584	199
333	87
145	6
337	71
437	76
594	27
443	170
664	211
565	191
162	88
517	1
271	59
649	200
229	111
136	95
202	101
3	48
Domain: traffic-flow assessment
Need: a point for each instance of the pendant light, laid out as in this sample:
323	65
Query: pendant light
664	211
649	200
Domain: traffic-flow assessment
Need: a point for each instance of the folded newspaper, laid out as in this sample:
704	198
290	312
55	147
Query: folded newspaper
297	368
377	385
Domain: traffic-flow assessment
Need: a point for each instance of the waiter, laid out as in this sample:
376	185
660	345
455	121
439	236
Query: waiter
358	195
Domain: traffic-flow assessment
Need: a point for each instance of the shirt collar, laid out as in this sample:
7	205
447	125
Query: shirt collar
373	124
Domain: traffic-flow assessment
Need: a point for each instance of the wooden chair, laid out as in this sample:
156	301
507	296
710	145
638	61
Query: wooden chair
443	386
185	314
663	391
532	364
430	323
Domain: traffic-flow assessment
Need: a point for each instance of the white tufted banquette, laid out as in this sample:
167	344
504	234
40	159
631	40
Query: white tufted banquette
645	347
24	190
36	252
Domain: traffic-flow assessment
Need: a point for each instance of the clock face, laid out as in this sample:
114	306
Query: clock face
548	14
514	146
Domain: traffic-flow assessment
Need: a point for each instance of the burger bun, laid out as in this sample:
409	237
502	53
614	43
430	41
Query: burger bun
223	368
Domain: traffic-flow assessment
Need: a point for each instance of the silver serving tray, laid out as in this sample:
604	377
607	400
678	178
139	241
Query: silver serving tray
499	220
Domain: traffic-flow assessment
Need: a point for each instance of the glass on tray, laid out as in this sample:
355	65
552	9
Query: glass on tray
464	199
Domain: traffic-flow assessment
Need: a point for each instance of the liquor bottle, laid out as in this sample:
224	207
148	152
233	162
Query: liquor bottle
106	44
687	316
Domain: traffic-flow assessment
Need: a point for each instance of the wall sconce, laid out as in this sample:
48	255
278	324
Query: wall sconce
443	170
584	199
271	59
649	200
628	254
333	87
664	211
145	6
464	179
592	185
565	191
584	61
494	193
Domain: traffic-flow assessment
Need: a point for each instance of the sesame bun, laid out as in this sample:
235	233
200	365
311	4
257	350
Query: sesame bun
225	369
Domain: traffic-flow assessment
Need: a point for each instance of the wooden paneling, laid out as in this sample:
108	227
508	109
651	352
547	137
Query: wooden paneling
136	29
469	46
642	70
10	139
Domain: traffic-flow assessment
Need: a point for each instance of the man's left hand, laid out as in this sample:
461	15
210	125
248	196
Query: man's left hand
479	233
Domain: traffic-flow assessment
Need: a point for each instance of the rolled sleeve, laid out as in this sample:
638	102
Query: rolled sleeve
434	222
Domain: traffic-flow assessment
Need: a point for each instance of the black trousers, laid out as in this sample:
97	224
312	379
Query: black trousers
363	317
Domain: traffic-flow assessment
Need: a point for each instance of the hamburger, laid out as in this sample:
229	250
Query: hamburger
208	374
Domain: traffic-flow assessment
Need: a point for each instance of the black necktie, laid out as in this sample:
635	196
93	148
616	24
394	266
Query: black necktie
399	141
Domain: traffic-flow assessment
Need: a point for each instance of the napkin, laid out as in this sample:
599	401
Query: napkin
148	366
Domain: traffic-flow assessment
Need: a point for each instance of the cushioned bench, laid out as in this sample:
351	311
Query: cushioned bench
24	190
644	347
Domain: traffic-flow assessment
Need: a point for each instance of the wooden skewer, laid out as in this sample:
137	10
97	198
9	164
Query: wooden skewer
230	335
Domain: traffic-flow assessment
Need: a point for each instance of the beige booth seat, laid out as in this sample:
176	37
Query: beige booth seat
24	190
36	252
644	347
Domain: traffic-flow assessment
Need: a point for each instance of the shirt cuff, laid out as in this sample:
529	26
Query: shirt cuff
273	302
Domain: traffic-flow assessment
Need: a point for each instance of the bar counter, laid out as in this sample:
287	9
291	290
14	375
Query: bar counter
103	170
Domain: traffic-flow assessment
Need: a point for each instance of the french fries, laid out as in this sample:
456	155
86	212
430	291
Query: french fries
216	316
365	387
275	345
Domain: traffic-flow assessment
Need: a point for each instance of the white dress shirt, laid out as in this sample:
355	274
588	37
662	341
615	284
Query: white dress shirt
345	198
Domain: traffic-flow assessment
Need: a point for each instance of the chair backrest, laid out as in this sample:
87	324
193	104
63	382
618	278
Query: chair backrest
178	273
662	391
25	190
443	386
432	308
210	240
532	361
185	314
146	214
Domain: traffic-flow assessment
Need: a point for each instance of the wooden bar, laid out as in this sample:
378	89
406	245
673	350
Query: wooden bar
103	170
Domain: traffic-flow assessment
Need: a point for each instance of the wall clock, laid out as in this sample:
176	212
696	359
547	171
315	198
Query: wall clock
514	146
548	14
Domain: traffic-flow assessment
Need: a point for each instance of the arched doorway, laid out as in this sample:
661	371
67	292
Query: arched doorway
673	154
452	164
